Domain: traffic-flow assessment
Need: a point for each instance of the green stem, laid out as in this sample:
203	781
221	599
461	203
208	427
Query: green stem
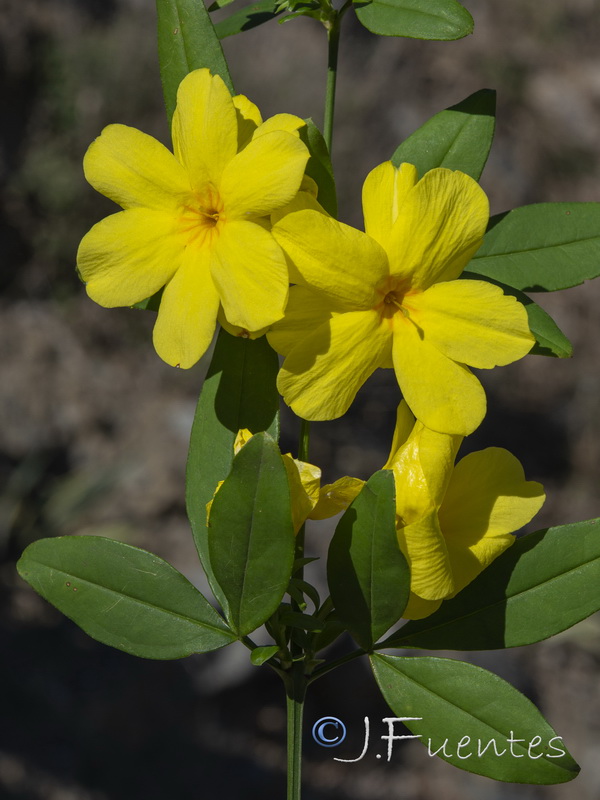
295	680
333	41
304	442
295	685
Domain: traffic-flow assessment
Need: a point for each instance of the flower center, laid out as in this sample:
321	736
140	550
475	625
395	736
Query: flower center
392	299
392	304
211	217
202	216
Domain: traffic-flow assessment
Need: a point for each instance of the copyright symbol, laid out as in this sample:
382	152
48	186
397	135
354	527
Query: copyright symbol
329	731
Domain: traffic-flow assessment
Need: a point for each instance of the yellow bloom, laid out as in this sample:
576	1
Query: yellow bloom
453	521
309	499
388	297
195	222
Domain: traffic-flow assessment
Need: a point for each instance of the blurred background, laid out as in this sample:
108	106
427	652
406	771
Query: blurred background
94	427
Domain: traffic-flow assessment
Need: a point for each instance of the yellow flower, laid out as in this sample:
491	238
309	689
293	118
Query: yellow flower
453	521
309	499
388	297
195	222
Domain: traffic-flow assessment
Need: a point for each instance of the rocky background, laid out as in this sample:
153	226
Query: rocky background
94	428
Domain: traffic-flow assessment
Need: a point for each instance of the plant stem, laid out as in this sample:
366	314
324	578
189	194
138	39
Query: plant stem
304	442
333	40
295	680
295	685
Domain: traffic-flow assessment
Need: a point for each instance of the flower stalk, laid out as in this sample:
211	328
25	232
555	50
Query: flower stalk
295	685
333	41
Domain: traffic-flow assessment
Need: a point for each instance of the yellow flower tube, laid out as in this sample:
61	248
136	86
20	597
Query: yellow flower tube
453	521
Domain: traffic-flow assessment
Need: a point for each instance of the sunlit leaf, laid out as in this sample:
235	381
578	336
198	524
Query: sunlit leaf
367	573
435	19
542	247
458	709
250	535
458	138
239	391
123	596
186	41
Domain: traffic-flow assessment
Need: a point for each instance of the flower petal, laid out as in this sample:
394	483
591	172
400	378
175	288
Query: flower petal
488	495
384	191
468	562
264	176
322	374
336	497
242	438
129	256
187	315
310	477
417	608
425	550
302	201
304	312
378	195
134	169
280	122
237	330
248	119
204	127
310	187
439	228
333	258
487	499
250	272
473	322
405	422
304	488
443	394
422	469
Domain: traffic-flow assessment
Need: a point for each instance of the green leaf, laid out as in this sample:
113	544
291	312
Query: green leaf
550	340
298	588
261	654
186	41
458	138
436	19
462	708
543	247
250	536
294	619
239	392
367	573
542	585
319	166
124	597
333	627
248	17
